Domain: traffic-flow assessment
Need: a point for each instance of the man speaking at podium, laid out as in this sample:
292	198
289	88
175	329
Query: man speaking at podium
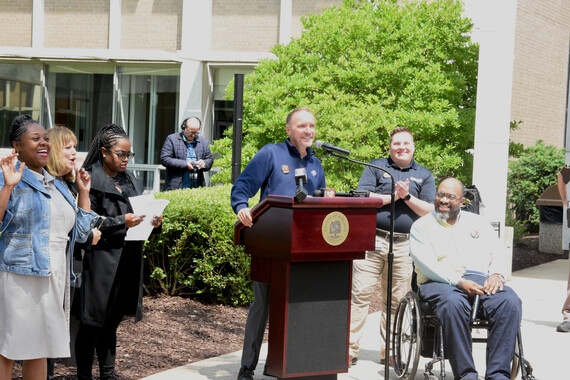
272	170
415	193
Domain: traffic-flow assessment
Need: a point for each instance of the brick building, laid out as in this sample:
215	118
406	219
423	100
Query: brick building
147	64
540	71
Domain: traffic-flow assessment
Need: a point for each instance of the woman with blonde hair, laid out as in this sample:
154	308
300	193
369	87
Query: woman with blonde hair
62	160
62	164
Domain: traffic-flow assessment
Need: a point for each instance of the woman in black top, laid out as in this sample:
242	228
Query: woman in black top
113	269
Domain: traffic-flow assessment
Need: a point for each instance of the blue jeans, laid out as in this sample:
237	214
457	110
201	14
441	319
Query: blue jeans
452	306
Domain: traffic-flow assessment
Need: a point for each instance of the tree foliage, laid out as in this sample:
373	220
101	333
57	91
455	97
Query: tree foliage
529	176
364	68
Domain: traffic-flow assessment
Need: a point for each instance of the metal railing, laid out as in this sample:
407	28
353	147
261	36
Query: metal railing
149	175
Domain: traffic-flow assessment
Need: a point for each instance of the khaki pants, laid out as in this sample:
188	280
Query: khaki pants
365	276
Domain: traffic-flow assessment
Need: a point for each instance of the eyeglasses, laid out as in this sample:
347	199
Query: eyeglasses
121	156
192	133
451	197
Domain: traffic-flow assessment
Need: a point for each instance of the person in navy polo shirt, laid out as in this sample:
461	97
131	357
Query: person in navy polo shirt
415	193
272	170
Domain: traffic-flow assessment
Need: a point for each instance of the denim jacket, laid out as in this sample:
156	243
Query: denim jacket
24	231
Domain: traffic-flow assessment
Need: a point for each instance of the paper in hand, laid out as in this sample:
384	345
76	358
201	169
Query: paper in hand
145	205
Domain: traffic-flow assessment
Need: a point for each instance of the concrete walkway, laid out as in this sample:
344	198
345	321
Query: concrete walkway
542	289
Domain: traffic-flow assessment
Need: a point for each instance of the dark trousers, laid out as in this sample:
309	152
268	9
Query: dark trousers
452	306
102	339
255	325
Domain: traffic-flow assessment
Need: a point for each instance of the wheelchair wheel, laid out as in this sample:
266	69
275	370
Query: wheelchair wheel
516	363
406	337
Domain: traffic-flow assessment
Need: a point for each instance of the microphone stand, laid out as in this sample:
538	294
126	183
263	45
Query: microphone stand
390	258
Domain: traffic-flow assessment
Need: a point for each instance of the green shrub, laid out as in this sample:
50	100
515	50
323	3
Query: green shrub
364	68
195	254
529	176
519	229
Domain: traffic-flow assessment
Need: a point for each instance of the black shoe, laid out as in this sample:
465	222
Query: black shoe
352	360
245	374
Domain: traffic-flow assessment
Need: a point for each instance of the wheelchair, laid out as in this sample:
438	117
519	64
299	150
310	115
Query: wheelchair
417	332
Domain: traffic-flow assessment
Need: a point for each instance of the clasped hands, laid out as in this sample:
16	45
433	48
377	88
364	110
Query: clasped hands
492	285
402	189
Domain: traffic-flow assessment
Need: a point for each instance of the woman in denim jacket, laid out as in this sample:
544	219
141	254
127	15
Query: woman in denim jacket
39	224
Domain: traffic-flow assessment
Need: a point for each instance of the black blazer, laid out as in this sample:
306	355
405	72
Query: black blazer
101	262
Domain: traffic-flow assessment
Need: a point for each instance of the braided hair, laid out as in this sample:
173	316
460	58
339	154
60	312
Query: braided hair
19	126
106	138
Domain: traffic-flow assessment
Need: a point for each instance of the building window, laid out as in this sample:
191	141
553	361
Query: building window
223	117
224	109
20	93
80	97
147	107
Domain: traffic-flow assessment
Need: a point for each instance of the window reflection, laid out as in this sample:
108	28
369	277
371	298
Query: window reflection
81	98
20	92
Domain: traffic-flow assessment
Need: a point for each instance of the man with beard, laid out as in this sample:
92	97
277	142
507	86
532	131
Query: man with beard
457	255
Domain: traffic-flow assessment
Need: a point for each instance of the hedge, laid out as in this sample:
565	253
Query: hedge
195	255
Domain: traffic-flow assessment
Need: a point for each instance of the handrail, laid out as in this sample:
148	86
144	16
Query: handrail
149	168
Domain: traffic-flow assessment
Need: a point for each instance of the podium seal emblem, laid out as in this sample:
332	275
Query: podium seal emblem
335	228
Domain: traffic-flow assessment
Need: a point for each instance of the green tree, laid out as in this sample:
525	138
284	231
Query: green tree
364	68
533	172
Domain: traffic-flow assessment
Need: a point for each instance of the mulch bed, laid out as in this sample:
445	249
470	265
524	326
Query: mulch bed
526	254
176	331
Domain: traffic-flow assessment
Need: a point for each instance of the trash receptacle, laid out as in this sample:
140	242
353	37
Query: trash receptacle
550	226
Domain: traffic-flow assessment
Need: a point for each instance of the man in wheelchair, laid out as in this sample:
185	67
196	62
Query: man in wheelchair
457	256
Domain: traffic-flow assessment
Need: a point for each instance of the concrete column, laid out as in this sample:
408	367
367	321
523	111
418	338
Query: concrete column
285	20
196	39
190	89
115	17
196	42
38	23
494	30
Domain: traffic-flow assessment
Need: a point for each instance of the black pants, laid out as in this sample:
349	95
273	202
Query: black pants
102	339
255	325
123	300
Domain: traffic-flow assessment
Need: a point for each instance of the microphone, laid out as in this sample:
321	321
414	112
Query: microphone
300	176
331	148
300	179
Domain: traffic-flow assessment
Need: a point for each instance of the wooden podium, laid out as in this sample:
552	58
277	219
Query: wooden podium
305	251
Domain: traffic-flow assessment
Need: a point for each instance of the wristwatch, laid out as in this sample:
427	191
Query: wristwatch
407	197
